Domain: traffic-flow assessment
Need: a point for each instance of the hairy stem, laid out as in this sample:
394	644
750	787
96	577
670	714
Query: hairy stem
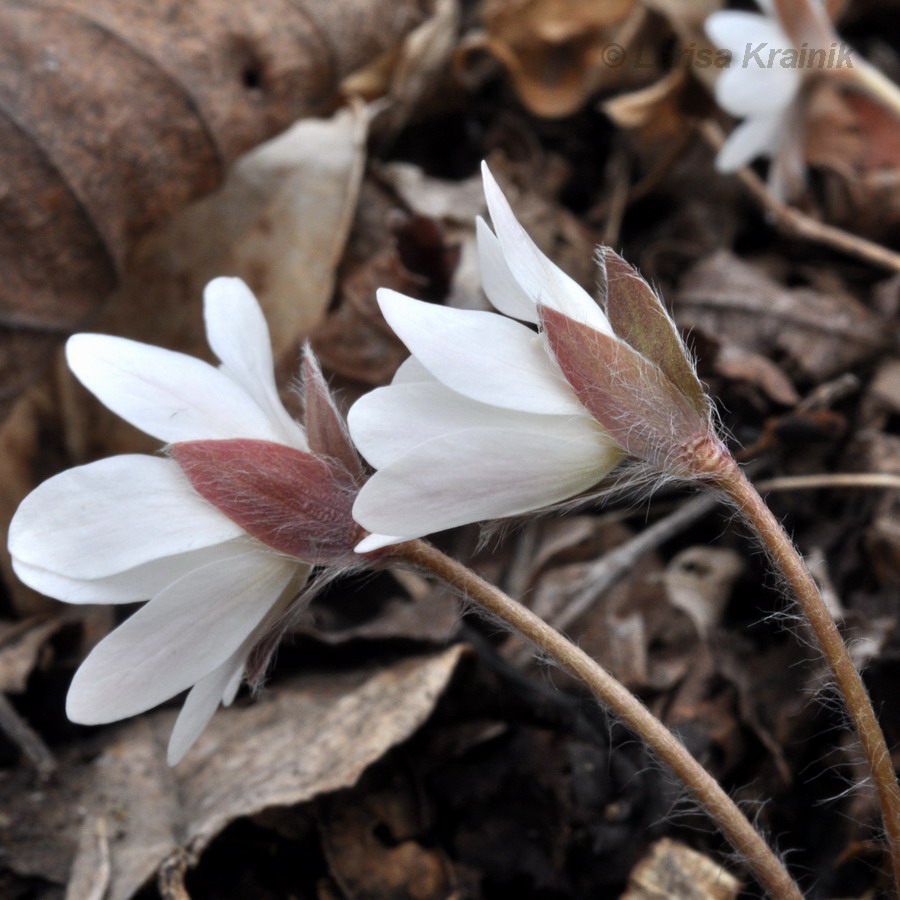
759	857
785	556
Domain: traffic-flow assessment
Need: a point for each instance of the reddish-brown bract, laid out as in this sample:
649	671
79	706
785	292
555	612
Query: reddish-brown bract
293	502
326	429
638	316
626	393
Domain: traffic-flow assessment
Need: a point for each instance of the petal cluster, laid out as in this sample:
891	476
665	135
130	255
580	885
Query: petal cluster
500	414
180	531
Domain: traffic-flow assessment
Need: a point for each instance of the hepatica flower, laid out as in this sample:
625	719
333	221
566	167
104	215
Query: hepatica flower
219	535
772	56
500	414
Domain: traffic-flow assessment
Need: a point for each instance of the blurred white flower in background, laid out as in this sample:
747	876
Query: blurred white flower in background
772	55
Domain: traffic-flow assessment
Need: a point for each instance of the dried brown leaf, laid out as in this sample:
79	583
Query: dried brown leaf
699	580
550	542
352	341
91	872
421	71
95	155
558	54
622	621
739	364
874	451
280	221
454	203
653	114
685	16
821	334
21	644
389	247
882	398
771	690
373	837
310	736
671	869
21	464
427	613
854	141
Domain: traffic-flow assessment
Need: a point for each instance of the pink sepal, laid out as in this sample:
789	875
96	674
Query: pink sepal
626	393
294	502
326	429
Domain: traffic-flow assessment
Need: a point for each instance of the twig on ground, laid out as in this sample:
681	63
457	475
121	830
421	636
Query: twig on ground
26	739
616	564
792	222
830	480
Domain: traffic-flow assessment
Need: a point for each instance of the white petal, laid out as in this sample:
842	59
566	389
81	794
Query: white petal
482	355
140	583
757	92
376	542
426	411
746	88
178	638
169	395
411	371
498	282
733	30
238	334
221	685
201	704
541	280
483	473
231	688
752	138
112	515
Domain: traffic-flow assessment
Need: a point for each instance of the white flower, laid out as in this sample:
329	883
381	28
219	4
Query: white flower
136	527
763	82
490	418
762	95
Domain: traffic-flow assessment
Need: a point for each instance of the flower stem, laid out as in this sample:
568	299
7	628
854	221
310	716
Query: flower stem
758	856
785	556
